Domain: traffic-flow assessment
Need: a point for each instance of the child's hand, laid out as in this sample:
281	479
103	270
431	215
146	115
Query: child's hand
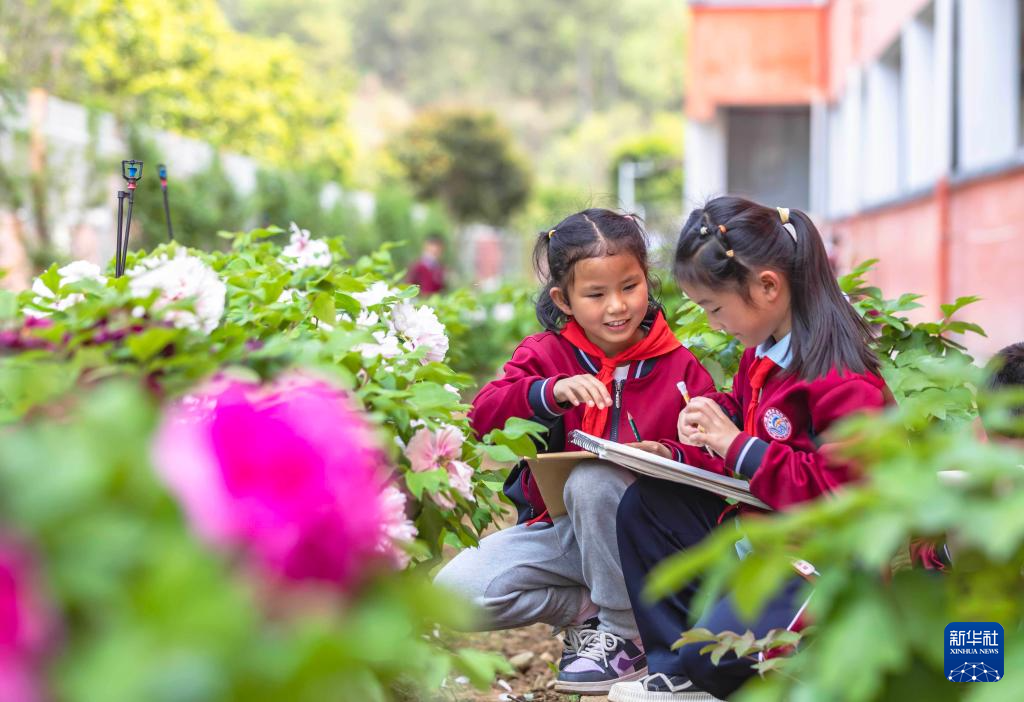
652	447
705	423
582	389
686	431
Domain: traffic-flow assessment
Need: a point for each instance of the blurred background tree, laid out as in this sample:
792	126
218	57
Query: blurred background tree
465	159
355	93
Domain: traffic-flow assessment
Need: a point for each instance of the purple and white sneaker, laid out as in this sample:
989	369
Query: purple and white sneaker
603	660
573	638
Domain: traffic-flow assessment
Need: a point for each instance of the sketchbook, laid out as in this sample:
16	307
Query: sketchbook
655	466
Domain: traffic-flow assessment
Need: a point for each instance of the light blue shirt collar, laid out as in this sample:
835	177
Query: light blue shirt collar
778	351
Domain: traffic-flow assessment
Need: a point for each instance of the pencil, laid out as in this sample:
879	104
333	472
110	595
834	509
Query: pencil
681	385
632	425
682	391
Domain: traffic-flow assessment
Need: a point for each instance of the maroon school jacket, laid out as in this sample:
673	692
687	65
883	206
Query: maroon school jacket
526	390
429	276
784	459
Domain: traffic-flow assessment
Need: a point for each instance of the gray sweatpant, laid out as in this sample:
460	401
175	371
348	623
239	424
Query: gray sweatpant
541	573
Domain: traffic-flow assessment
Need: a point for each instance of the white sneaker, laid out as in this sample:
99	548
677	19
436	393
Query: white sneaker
659	687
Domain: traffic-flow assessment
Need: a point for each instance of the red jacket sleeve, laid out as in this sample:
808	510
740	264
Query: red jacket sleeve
781	475
524	391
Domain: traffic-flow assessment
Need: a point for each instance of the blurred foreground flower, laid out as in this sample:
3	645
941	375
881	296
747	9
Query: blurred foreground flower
289	472
26	627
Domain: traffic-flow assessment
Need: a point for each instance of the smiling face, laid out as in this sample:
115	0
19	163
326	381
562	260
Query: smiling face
766	314
608	299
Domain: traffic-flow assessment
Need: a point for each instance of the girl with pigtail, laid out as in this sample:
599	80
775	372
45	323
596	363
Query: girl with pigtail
761	274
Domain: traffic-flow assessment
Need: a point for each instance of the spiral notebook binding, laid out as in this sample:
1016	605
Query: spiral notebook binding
586	443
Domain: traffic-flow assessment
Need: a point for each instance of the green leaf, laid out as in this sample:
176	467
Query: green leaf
481	667
8	305
500	453
961	302
430	481
323	308
51	278
427	398
150	342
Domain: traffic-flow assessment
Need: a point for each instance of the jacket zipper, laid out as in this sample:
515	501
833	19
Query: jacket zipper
616	408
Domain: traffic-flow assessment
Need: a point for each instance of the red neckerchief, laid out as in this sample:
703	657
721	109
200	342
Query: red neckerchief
759	371
659	341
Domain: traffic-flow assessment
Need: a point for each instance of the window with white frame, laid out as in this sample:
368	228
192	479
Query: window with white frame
988	71
919	132
884	157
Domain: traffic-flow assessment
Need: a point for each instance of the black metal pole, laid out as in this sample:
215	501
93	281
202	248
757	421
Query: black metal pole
167	214
128	225
162	170
120	225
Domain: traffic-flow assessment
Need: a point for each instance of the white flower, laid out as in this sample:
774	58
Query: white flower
183	277
388	346
80	270
375	294
71	273
397	529
504	312
476	315
453	390
420	327
306	252
367	319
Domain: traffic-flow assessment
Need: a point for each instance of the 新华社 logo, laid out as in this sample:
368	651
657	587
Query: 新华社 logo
974	652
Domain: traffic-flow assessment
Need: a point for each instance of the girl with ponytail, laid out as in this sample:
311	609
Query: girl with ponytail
762	275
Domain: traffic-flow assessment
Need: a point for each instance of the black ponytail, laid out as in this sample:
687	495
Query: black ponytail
588	234
722	244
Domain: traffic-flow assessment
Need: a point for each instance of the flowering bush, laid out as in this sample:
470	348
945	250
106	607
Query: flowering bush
292	389
179	316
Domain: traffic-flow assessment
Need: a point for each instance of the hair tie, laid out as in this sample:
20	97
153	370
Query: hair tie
786	224
730	253
721	228
551	233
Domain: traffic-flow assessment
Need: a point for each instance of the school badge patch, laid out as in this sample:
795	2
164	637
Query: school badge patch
777	424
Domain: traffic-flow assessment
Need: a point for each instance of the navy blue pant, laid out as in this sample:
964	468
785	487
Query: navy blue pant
657	519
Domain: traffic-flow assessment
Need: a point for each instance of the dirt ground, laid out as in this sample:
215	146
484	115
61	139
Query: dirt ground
528	685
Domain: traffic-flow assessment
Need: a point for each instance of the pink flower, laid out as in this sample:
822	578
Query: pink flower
430	450
27	627
290	473
398	529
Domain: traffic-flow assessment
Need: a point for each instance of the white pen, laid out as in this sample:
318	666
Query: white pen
681	385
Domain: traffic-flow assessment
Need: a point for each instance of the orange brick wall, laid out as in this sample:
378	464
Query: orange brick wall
755	56
985	254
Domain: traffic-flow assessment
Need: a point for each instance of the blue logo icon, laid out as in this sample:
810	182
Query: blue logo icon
974	652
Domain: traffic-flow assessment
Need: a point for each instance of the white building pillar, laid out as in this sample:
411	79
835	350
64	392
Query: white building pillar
705	175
